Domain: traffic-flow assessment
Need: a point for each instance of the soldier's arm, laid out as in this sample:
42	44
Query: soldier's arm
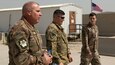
85	39
69	55
51	35
20	52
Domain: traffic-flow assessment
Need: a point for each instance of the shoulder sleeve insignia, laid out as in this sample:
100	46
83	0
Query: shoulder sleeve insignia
23	43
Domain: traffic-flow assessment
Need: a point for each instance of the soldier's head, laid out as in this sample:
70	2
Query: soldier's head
92	18
58	16
31	12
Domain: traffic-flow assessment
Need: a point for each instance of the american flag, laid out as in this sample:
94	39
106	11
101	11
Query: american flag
95	7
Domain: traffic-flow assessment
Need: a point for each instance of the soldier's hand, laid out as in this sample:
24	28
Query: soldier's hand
47	58
32	59
90	55
61	63
70	58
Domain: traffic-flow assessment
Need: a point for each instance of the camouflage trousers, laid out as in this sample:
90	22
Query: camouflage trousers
94	61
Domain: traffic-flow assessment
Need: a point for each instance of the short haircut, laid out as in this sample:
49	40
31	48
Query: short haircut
58	11
28	6
92	14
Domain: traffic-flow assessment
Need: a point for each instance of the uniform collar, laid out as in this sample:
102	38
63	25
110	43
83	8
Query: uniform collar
28	24
59	27
90	25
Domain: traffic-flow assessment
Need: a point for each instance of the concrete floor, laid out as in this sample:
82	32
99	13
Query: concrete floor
75	50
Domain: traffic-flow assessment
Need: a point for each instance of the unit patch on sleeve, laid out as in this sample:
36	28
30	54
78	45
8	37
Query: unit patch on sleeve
23	43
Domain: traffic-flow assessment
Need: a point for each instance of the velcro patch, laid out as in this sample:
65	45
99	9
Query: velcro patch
23	43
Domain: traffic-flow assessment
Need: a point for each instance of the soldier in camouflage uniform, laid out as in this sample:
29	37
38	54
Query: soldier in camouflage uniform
57	43
89	51
25	42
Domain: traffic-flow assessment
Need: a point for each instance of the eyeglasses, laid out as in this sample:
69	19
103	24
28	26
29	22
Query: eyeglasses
62	17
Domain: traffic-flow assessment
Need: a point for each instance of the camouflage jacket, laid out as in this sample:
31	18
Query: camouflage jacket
57	43
24	41
89	40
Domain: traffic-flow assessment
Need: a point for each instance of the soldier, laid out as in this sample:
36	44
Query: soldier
89	51
57	43
25	41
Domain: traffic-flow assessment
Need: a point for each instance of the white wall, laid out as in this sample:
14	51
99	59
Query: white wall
46	19
66	9
4	20
15	16
8	17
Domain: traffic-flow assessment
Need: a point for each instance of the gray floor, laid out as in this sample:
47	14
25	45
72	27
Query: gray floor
75	50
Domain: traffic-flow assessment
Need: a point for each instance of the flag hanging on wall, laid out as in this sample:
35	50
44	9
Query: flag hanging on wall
95	7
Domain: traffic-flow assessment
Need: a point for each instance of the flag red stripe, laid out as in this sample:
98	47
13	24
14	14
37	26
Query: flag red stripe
95	7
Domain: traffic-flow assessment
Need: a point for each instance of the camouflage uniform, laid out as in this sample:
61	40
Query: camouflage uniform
90	45
57	43
24	42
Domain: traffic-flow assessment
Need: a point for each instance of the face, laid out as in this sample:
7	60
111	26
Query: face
35	14
93	20
59	19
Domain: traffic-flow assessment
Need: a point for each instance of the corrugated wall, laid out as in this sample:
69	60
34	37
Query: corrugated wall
105	22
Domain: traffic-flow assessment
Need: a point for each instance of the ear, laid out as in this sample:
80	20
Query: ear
29	13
